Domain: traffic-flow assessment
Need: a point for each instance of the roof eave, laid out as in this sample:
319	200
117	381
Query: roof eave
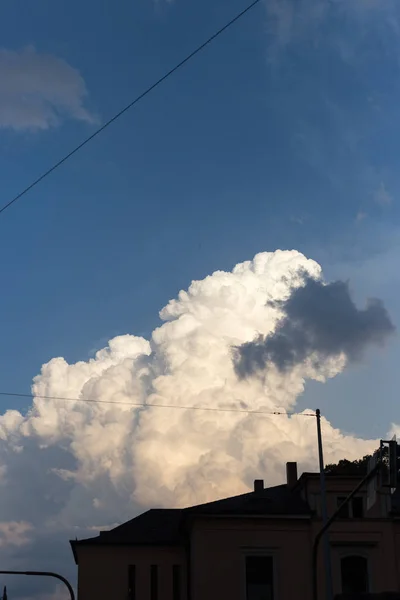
73	544
104	543
252	516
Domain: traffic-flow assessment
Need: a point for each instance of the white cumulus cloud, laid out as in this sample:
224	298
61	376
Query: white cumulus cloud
38	90
69	466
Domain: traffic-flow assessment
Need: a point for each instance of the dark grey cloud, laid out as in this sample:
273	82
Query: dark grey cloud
38	90
317	318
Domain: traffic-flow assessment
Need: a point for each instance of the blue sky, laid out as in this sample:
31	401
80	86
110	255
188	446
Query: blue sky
284	133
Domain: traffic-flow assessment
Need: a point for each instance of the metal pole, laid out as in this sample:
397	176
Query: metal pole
324	510
329	522
44	574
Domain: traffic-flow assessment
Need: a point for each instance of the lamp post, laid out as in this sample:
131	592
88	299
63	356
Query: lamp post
324	510
43	574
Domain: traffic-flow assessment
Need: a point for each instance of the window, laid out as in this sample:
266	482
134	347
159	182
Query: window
315	503
259	578
344	511
353	509
153	582
176	582
358	507
354	570
131	582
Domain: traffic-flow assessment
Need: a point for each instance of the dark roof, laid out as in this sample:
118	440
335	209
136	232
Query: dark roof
164	526
276	501
155	526
331	475
158	526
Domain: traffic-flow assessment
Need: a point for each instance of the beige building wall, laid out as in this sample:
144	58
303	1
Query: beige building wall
219	547
373	536
103	571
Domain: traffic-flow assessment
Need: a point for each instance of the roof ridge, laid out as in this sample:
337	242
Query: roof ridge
249	494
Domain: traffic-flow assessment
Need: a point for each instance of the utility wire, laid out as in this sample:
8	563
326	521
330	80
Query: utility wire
146	405
130	105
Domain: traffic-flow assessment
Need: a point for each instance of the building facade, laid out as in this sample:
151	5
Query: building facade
256	546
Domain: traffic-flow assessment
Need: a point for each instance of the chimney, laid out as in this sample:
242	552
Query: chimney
291	474
258	485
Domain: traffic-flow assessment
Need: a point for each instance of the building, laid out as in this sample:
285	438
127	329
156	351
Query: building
256	546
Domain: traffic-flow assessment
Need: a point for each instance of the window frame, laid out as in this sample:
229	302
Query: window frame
350	507
260	551
132	579
356	552
363	503
177	580
154	585
314	500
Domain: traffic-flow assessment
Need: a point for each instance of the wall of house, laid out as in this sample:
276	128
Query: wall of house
219	547
103	571
339	487
373	536
396	544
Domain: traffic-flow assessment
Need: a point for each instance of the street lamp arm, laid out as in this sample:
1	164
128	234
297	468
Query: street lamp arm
44	574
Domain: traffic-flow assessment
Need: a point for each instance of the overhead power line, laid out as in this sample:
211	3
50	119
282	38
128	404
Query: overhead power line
151	405
129	106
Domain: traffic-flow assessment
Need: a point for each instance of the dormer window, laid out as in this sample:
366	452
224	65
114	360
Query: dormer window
353	509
